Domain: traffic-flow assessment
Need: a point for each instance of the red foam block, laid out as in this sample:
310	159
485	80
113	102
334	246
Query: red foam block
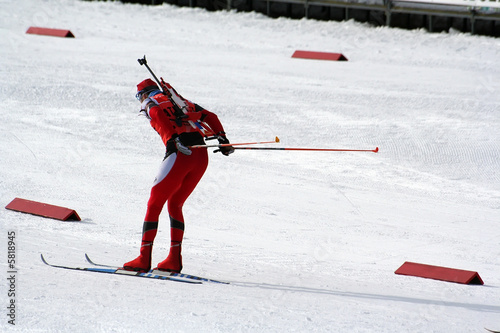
439	273
319	55
42	209
50	32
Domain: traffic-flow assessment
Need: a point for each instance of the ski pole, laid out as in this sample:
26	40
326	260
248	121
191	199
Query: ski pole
307	149
276	140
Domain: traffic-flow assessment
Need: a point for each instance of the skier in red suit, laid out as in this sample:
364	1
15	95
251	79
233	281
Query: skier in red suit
180	171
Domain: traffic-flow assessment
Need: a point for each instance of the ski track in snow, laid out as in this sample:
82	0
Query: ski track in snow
310	241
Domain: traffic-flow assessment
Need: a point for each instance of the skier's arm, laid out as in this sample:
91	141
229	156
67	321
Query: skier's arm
213	121
158	117
210	118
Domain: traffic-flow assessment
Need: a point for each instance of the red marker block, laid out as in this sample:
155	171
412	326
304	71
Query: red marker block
42	209
50	32
439	273
319	55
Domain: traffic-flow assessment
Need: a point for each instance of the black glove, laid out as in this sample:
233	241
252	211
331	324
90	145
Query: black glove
226	150
174	144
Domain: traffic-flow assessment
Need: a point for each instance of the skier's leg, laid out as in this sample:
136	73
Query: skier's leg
159	195
143	261
174	260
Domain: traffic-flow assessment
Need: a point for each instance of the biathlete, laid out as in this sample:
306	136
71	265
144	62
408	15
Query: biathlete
180	171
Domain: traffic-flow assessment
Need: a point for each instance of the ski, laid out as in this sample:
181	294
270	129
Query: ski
110	270
493	331
161	273
96	264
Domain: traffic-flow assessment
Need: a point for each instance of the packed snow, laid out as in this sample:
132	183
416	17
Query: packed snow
310	241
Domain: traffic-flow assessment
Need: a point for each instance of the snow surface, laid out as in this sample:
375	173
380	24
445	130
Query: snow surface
310	240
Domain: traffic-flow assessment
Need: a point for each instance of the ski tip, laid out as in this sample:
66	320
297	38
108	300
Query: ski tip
43	259
277	139
89	260
375	150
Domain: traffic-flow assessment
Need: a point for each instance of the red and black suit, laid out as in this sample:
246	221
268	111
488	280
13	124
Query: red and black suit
178	175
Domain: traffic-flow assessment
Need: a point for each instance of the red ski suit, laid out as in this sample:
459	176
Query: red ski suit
179	174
